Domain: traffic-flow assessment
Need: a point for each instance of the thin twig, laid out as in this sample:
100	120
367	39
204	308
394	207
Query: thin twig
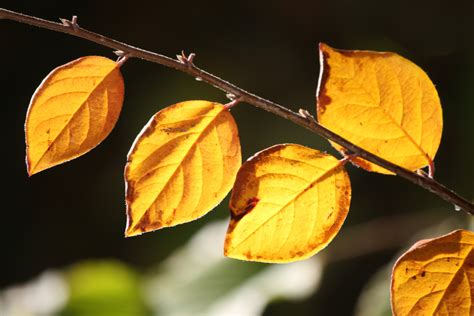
190	68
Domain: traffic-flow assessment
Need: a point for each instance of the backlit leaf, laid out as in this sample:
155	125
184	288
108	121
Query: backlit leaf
381	102
436	277
181	165
288	203
72	111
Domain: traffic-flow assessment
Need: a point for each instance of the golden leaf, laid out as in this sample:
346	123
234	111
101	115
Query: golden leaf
436	277
288	203
181	165
72	111
381	102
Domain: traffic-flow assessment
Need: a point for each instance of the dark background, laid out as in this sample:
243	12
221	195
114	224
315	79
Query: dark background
76	211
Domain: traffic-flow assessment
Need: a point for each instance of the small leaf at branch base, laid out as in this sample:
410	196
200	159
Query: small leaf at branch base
436	277
288	203
72	111
181	165
381	102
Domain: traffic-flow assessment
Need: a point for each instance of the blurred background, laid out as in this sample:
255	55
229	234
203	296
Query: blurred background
63	250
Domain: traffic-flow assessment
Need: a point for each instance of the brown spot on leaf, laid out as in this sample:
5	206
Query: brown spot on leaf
322	98
251	203
147	223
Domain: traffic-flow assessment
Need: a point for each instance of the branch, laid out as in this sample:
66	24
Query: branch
186	65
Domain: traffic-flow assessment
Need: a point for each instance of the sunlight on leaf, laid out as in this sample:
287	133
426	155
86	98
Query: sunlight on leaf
288	203
381	102
435	277
72	111
181	165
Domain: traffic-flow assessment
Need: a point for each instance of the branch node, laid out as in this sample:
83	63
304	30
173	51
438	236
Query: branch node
123	57
430	173
306	115
346	156
70	23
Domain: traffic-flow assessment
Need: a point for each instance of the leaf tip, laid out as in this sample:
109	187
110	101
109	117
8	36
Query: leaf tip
131	232
30	171
323	46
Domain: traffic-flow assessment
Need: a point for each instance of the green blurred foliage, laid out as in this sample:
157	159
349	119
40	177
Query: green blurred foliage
103	288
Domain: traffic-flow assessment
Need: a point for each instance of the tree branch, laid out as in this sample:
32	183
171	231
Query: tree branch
186	65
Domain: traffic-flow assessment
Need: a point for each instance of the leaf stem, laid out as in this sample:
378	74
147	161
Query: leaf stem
186	65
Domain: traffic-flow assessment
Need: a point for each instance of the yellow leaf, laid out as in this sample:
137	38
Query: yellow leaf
436	277
72	111
381	102
288	203
181	165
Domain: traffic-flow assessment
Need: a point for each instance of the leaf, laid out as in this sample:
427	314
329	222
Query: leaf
381	102
436	277
181	165
288	203
72	111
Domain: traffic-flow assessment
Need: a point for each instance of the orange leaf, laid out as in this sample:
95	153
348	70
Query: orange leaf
288	203
381	102
436	277
72	111
181	165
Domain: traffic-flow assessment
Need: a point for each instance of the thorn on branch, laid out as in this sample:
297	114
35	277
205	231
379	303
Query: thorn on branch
305	114
72	23
186	60
231	96
119	53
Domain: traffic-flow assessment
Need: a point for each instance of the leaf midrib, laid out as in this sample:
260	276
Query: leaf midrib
460	268
392	119
188	151
310	185
417	146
